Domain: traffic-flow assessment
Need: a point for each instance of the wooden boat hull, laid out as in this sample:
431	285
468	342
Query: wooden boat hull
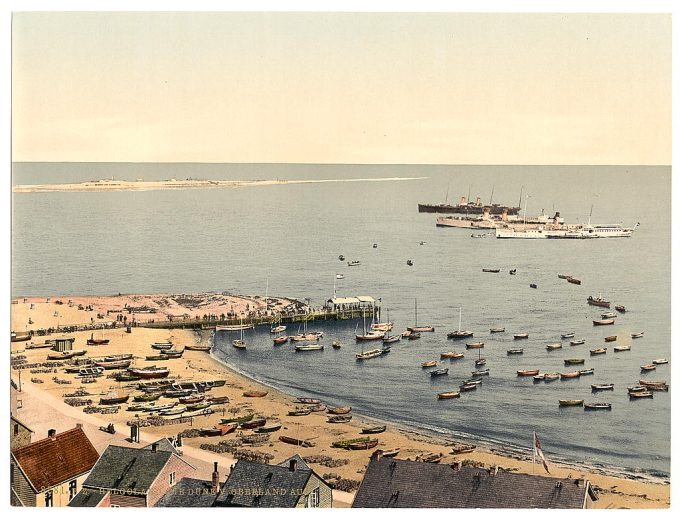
112	365
255	393
269	429
474	345
343	410
523	373
146	374
448	395
301	443
251	425
571	402
198	348
597	406
238	420
599	323
373	431
114	400
364	445
339	419
521	336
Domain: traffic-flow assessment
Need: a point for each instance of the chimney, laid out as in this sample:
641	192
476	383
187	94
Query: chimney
462	201
79	426
456	465
377	455
580	482
52	433
154	447
215	480
292	464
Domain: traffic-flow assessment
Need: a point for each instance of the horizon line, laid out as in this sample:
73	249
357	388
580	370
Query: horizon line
325	164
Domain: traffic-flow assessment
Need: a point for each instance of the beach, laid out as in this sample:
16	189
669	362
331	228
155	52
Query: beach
614	491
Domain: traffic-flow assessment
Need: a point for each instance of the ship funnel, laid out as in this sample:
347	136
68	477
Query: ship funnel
462	201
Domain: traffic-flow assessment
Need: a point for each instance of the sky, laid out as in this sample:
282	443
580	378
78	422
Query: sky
395	88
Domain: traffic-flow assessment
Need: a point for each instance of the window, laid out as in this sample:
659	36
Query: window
16	429
72	489
48	499
172	478
314	498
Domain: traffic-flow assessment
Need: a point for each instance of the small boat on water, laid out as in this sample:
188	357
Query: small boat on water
337	345
654	385
491	270
373	430
570	375
598	387
280	340
637	388
308	348
428	364
573	280
451	355
480	362
515	351
475	381
277	329
483	372
419	328
621	348
636	335
198	348
660	361
448	395
609	321
598	302
413	335
574	361
609	339
598	351
553	346
369	354
563	276
382	327
575	342
568	335
586	372
496	330
522	373
338	419
234	328
640	395
353	263
533	286
239	343
269	428
340	410
300	443
255	393
648	368
521	335
468	387
460	333
409	262
391	339
474	345
550	376
341	258
620	308
597	406
606	315
439	372
571	402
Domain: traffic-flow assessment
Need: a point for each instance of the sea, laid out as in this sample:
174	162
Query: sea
287	239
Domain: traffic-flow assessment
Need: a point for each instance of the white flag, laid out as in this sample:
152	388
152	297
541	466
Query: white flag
538	451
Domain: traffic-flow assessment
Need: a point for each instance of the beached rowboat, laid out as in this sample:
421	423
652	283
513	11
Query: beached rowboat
255	393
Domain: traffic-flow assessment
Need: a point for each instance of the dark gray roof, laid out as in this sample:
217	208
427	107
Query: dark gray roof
261	485
87	498
405	483
129	469
189	492
301	464
162	445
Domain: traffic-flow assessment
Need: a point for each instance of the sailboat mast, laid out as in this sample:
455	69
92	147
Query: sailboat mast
416	312
493	186
520	197
460	317
446	201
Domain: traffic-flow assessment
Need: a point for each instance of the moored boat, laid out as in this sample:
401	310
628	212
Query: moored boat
570	375
482	372
480	362
421	328
448	395
660	361
648	368
460	333
598	387
575	342
640	395
550	376
428	364
114	398
468	387
451	355
308	348
94	341
521	335
636	335
654	385
586	372
369	354
573	280
474	345
391	339
598	302
571	402
608	321
568	335
485	270
280	340
598	351
439	372
496	330
574	361
597	406
522	373
553	346
239	343
515	351
251	425
609	339
413	335
621	348
620	308
269	428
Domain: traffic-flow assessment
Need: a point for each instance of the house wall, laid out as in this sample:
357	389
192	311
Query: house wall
21	438
325	492
121	500
162	483
60	493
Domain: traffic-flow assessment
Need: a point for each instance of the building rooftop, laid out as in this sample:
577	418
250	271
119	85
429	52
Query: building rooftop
87	498
57	459
411	484
189	492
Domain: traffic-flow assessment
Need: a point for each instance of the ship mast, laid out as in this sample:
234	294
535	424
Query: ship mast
491	199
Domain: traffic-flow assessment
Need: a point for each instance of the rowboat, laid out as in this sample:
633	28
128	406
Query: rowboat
568	335
602	386
574	361
448	395
515	351
56	356
598	351
539	377
158	357
299	412
586	372
577	342
527	372
376	352
320	407
277	329
553	346
550	376
495	330
174	411
620	308
636	335
661	361
162	345
219	400
144	398
234	328
155	386
597	406
340	410
301	443
93	341
173	394
90	371
598	302
150	372
198	348
474	345
476	381
14	337
197	406
47	344
255	393
114	398
571	402
480	362
491	270
640	395
386	453
308	348
432	458
573	280
382	327
439	372
279	340
239	343
607	315
609	321
269	428
647	368
308	400
655	385
610	338
335	419
209	432
158	407
478	373
136	408
364	445
569	375
353	263
172	354
251	425
429	364
226	428
463	448
635	389
621	348
452	355
373	430
192	399
391	339
413	335
118	357
521	335
468	387
238	420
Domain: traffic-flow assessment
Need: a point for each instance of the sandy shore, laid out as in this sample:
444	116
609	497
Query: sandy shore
173	184
614	491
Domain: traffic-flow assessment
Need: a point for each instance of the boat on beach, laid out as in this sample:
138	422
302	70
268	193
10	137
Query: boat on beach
198	348
269	428
255	423
94	341
238	420
372	430
485	270
573	280
255	393
114	398
300	443
47	344
340	410
339	419
364	445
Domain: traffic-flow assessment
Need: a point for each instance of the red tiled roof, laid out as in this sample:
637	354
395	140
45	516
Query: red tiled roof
49	462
